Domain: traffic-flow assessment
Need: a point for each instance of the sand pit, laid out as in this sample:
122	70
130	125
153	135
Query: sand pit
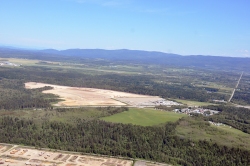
74	96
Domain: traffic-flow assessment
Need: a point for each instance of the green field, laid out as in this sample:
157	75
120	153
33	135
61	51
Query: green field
144	117
24	62
70	115
197	129
193	103
231	130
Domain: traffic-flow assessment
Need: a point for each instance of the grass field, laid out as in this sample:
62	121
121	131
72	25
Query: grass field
67	116
144	117
193	103
231	130
73	66
25	62
197	129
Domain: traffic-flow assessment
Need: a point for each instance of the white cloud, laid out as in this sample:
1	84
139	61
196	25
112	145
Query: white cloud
244	52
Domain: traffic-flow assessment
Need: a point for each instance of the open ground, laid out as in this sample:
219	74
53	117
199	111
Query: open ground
20	156
196	129
144	117
194	103
75	96
15	155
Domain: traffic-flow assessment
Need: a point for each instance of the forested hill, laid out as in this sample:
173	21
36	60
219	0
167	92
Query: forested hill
134	56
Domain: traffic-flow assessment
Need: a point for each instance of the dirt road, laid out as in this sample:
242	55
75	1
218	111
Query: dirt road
235	88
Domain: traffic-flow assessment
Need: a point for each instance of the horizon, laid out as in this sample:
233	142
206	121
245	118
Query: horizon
176	27
43	49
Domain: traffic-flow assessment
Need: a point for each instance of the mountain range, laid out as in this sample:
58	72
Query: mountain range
132	56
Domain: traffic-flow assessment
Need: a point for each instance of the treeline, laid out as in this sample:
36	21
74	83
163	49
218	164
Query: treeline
242	93
13	95
143	84
132	56
242	97
91	112
152	143
236	117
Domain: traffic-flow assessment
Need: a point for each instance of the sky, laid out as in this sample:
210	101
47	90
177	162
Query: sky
186	27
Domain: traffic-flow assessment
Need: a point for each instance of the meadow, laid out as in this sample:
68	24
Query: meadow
144	117
64	115
197	129
193	103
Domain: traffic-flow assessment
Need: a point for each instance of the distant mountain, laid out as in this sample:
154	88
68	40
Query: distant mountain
110	54
133	56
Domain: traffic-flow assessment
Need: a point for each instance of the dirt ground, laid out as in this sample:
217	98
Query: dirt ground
15	155
140	101
74	96
18	156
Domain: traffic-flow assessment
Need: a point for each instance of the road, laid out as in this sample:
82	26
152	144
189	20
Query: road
235	88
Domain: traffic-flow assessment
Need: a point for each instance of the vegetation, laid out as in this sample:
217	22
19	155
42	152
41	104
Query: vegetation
13	95
95	136
193	103
64	115
28	118
197	129
144	117
165	86
238	118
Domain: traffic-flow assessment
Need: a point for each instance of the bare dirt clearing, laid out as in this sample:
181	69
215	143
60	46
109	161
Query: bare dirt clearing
21	156
74	96
15	155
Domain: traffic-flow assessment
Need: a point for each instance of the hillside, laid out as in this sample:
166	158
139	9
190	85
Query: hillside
133	56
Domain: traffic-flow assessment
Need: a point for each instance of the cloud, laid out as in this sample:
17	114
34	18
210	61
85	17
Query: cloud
244	52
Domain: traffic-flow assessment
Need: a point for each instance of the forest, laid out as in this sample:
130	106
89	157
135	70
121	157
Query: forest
92	135
99	137
14	95
238	118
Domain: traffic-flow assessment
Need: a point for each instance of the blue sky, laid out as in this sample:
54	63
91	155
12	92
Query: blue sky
186	27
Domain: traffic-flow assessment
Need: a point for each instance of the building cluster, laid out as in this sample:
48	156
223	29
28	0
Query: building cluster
8	64
205	112
165	102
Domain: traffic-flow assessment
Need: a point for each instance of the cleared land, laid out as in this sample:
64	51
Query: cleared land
14	155
144	117
194	103
20	156
66	116
224	135
74	96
